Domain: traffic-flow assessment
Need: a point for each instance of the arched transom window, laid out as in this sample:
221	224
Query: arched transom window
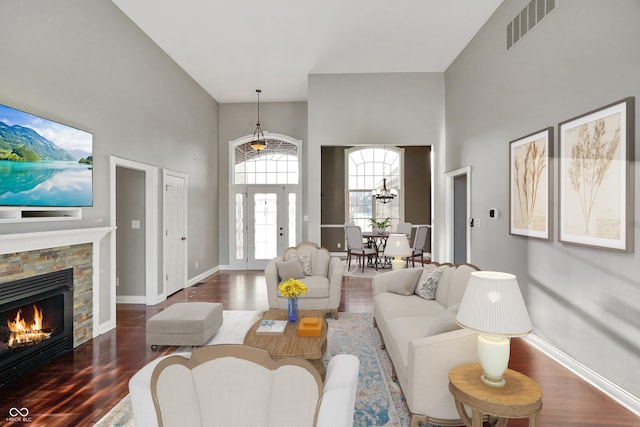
276	164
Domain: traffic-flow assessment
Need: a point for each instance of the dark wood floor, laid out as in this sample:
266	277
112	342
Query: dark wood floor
78	388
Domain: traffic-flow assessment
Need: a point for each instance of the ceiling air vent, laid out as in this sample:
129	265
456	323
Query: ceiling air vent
532	14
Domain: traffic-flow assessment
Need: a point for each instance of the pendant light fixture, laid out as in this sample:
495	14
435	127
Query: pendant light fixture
258	142
385	195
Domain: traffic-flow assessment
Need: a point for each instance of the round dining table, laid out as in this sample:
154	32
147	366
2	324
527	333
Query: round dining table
378	240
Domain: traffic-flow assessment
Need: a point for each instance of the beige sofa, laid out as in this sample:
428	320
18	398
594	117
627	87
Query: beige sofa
422	338
323	278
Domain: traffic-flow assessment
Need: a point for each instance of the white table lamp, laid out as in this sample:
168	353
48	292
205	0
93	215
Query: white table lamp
493	306
397	246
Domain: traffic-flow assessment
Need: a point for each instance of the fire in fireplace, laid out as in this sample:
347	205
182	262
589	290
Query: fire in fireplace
23	333
36	322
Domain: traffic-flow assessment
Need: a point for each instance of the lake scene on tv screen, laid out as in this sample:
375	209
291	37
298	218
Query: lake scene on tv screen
43	163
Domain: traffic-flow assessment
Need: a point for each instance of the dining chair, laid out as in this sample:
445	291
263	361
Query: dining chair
404	228
356	247
418	246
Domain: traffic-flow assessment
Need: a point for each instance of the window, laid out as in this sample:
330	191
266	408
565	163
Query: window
276	164
367	168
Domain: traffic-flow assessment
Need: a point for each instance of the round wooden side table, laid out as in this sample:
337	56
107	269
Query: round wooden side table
521	397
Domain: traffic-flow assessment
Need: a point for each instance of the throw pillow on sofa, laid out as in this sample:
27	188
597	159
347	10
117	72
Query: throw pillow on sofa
289	269
405	282
428	282
305	263
446	322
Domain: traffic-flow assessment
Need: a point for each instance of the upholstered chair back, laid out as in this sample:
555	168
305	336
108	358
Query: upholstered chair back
319	257
235	385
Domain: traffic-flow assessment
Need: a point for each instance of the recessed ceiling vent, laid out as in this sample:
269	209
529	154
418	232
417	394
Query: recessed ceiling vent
531	15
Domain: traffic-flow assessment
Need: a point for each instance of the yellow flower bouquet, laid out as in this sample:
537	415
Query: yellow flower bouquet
292	288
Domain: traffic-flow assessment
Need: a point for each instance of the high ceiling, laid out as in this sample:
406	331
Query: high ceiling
232	48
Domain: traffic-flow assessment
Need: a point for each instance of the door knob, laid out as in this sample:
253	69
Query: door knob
183	238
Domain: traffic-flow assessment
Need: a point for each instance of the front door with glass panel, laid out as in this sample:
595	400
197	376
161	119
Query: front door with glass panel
267	225
264	201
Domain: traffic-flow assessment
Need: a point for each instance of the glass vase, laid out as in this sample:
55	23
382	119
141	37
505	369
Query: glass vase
292	309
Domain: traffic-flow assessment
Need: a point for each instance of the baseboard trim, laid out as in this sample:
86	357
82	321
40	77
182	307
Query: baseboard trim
131	299
612	390
201	276
107	326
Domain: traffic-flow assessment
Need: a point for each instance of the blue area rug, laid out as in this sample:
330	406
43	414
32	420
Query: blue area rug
379	401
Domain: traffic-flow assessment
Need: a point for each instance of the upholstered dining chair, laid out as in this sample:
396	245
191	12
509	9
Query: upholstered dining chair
418	246
355	246
404	228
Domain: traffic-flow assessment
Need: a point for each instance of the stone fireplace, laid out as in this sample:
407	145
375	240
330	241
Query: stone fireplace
36	322
27	258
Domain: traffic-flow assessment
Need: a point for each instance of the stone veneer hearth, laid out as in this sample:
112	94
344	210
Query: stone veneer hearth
14	266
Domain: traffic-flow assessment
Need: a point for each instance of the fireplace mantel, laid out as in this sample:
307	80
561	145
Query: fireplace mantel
34	241
22	242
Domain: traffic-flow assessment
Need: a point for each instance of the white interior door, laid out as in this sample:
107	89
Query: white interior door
175	232
267	234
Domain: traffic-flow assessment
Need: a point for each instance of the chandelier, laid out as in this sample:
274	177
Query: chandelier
385	195
258	142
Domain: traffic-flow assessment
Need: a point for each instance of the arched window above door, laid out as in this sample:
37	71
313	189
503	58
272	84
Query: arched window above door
278	163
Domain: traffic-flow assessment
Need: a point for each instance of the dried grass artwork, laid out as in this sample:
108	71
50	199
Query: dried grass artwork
595	182
530	178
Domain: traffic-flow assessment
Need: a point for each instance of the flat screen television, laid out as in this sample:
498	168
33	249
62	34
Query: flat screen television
43	163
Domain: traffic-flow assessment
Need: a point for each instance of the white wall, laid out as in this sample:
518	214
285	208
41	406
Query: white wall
373	109
582	56
85	64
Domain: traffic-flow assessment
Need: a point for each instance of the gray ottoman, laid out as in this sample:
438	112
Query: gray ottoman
184	323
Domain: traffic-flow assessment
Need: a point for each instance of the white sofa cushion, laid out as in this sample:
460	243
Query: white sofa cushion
317	287
405	282
446	322
458	283
392	305
443	285
289	269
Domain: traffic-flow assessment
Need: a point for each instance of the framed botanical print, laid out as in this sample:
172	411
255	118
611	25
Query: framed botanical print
530	185
596	177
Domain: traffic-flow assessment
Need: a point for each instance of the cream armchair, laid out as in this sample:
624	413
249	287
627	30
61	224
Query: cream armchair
238	385
316	268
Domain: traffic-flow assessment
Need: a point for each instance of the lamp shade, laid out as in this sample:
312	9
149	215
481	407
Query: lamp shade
492	304
397	245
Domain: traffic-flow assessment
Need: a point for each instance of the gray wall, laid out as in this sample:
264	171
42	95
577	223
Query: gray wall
238	120
371	109
85	64
584	55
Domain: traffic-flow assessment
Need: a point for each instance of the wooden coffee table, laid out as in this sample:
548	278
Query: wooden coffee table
290	344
